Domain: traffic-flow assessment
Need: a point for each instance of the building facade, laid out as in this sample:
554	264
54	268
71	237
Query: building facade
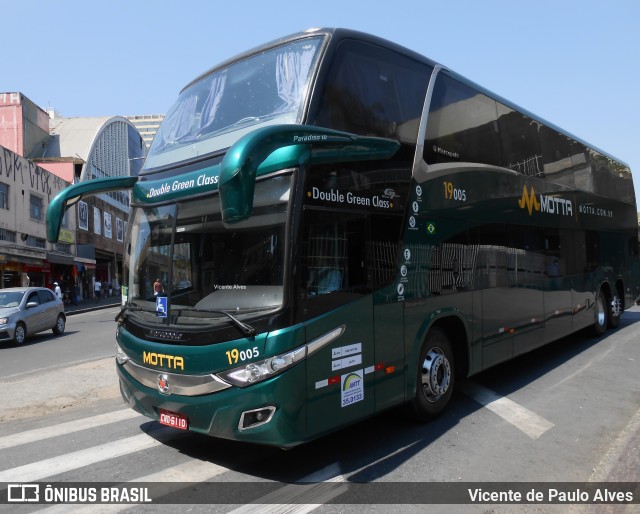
24	127
26	258
104	147
147	125
41	153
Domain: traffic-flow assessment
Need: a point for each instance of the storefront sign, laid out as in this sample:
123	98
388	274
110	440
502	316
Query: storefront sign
66	236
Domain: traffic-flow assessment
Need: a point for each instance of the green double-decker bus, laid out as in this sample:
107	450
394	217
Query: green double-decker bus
331	225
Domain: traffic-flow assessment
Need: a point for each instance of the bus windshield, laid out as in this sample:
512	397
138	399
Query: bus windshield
183	252
215	111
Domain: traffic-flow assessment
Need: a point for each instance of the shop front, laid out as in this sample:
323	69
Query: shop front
21	271
62	272
85	270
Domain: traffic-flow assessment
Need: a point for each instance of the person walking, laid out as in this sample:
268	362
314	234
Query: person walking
97	289
57	290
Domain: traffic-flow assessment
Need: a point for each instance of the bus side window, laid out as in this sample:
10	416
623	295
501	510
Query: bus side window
462	125
382	251
373	91
333	251
520	142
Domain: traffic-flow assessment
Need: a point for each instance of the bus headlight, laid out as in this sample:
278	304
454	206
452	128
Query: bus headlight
121	357
255	372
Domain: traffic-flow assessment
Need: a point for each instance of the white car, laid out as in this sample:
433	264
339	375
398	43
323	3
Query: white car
25	311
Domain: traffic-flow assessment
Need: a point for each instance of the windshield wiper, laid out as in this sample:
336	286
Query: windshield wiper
132	306
246	329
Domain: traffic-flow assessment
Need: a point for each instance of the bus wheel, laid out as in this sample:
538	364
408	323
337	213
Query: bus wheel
615	311
601	315
435	376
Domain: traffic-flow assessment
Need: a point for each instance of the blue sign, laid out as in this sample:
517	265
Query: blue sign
161	306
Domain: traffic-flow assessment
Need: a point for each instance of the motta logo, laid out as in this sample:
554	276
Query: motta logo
544	203
529	201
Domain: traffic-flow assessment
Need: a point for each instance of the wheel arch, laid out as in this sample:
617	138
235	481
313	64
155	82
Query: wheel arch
605	287
619	288
453	324
423	405
616	290
456	331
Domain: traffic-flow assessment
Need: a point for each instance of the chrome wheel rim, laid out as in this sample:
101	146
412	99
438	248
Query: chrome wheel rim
436	375
20	334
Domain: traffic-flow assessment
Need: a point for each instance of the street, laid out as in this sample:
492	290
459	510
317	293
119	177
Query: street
569	412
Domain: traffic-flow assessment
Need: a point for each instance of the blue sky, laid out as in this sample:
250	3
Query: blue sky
575	63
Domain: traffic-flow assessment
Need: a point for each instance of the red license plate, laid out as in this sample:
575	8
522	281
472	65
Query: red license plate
173	419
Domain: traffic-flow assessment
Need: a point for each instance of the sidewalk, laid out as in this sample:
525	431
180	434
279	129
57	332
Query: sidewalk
89	304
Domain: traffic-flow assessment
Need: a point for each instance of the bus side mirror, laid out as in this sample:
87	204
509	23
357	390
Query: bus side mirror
278	147
72	194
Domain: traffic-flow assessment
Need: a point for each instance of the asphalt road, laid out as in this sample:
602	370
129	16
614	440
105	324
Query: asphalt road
88	336
569	412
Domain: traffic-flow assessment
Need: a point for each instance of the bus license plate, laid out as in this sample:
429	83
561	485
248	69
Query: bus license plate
173	419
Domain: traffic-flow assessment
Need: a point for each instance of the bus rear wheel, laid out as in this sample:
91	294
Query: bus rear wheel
601	315
616	308
435	377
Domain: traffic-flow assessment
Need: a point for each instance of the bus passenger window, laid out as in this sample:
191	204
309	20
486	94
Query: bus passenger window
334	254
520	142
462	125
327	259
373	91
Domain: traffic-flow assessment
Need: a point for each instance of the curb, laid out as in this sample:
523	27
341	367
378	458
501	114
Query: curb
81	310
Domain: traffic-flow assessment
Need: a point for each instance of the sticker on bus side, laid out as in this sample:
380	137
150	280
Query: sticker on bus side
351	388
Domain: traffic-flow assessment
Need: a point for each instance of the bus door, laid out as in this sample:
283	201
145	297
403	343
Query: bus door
389	347
338	309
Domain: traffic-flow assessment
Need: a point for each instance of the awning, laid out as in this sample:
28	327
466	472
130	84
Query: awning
81	267
84	264
57	258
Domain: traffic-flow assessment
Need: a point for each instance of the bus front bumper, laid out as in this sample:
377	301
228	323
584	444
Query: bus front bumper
270	412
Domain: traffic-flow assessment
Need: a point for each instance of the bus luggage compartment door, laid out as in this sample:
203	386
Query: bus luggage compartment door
340	375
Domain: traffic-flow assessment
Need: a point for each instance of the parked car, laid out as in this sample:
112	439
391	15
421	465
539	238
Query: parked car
25	311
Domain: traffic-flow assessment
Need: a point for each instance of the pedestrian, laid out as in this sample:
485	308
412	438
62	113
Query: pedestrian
97	289
157	287
57	290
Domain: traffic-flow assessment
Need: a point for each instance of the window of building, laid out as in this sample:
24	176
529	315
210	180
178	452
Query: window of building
35	207
36	242
63	247
7	235
4	196
97	221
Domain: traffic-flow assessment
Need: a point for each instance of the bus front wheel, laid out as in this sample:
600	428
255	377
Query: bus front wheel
435	376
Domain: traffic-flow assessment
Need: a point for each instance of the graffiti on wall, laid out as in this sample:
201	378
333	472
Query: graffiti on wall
21	171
